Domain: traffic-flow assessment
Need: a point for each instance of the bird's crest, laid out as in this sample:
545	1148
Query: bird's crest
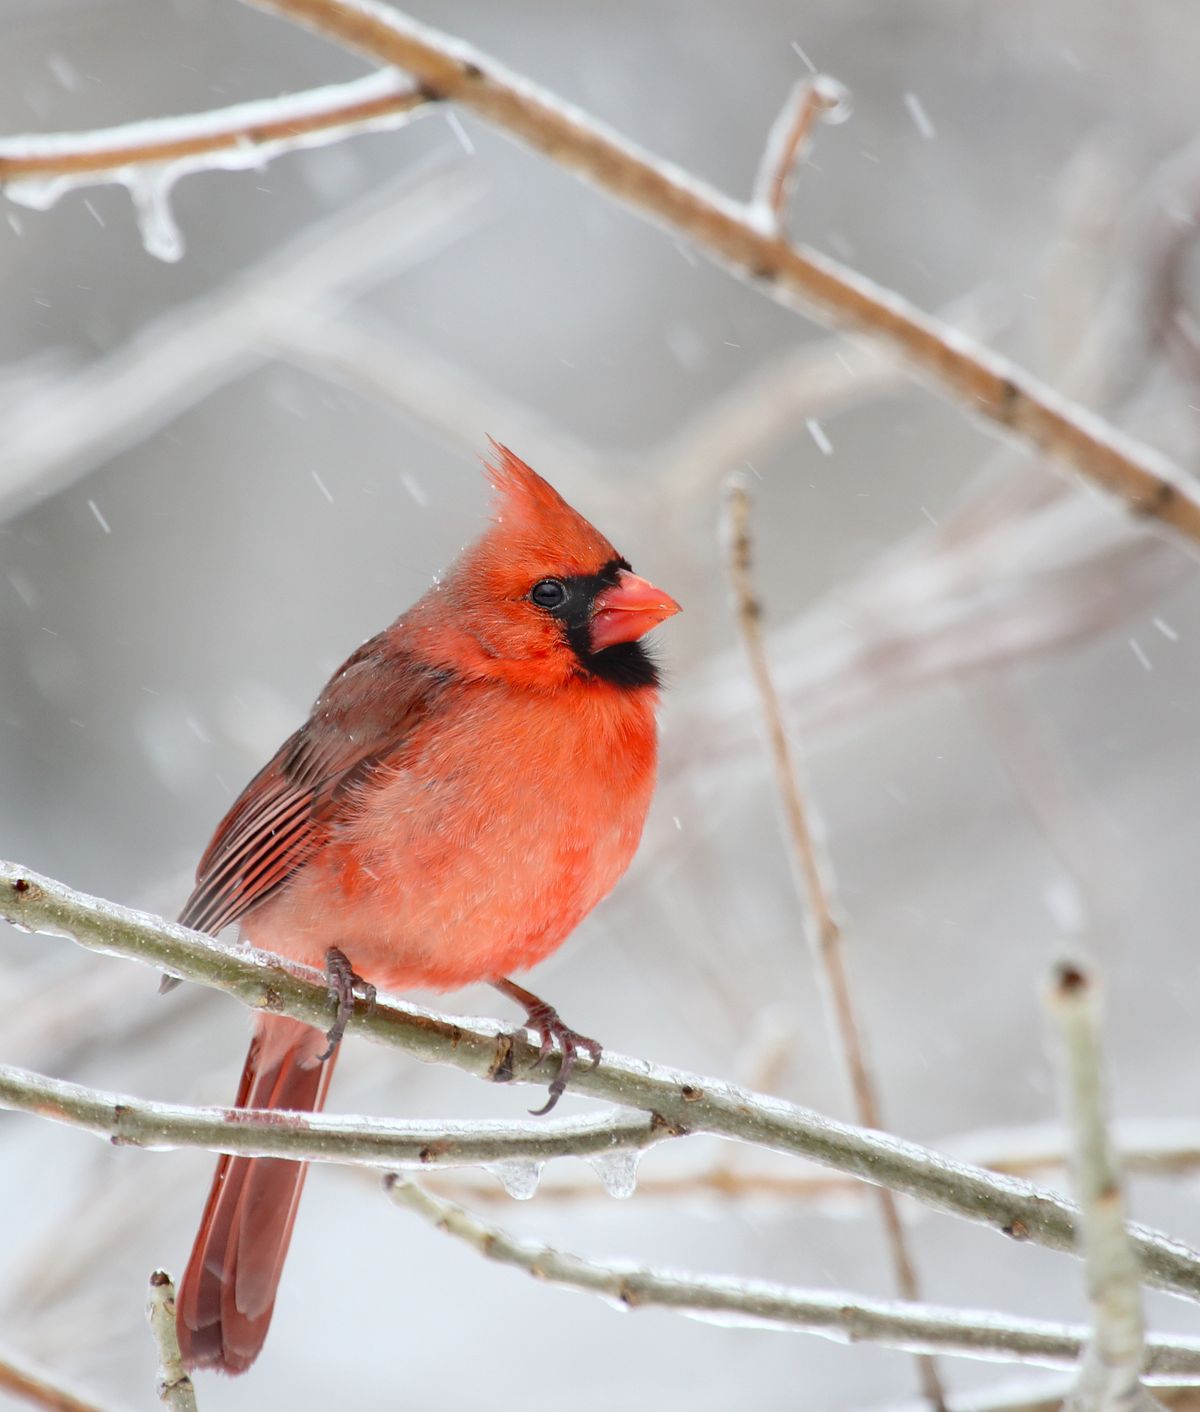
536	523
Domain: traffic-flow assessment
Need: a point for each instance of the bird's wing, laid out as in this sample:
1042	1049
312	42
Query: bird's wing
365	714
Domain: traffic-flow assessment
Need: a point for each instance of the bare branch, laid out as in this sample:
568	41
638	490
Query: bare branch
322	1137
25	1384
822	926
1109	1379
848	1318
816	96
683	1101
983	383
175	1390
246	134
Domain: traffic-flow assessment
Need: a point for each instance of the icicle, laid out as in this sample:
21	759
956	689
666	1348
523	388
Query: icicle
617	1170
518	1176
150	190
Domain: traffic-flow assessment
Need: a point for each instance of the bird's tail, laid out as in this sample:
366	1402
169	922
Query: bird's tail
227	1294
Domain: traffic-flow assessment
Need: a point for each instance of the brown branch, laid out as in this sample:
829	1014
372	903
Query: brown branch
37	1388
175	1389
338	109
822	927
813	97
985	384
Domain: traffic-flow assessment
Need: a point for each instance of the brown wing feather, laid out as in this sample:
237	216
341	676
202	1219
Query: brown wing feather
363	716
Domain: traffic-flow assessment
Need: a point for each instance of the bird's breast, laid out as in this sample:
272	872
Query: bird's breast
481	844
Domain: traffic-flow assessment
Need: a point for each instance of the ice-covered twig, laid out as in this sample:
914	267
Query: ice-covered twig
246	134
982	382
323	1137
1110	1375
815	877
61	434
681	1100
148	158
37	1388
816	96
849	1318
175	1390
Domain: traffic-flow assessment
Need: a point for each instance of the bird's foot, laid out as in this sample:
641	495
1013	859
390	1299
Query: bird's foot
342	979
544	1020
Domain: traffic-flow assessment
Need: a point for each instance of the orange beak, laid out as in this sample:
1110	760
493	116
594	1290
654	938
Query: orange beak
627	610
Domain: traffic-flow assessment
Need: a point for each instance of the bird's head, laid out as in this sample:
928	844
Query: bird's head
546	596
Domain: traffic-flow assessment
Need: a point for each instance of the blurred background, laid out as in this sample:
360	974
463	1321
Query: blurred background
211	495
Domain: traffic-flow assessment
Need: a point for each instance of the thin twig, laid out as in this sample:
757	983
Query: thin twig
812	97
252	132
683	1101
322	1137
822	926
1109	1378
982	382
36	1387
175	1390
848	1318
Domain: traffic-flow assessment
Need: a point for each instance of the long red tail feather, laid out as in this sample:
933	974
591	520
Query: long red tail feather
227	1294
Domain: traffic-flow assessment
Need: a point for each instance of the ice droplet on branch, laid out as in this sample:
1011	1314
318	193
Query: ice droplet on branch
150	191
617	1171
518	1176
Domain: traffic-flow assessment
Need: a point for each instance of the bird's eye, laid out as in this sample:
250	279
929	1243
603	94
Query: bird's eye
549	593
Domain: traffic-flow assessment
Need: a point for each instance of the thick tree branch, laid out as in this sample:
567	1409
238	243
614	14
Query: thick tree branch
850	1318
985	384
683	1102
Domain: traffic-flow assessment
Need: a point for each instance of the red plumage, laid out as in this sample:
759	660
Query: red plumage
470	783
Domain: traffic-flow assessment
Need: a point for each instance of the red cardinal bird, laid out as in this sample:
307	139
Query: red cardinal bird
468	786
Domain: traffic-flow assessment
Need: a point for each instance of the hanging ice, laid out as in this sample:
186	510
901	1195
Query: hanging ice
518	1176
617	1170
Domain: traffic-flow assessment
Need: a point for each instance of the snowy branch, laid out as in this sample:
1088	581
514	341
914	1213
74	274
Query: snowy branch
322	1137
175	1390
243	135
849	1318
682	1101
985	384
1109	1378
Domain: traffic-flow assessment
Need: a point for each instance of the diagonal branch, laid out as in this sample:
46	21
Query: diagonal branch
982	382
683	1101
25	1384
849	1318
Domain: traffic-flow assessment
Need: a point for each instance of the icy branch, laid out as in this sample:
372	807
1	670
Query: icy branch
1109	1379
322	1137
815	97
849	1318
149	157
985	384
175	1390
682	1101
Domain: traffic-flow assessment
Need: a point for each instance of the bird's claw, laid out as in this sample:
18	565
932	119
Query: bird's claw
342	979
544	1020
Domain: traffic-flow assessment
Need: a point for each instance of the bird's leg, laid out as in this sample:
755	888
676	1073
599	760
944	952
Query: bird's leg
544	1021
341	978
